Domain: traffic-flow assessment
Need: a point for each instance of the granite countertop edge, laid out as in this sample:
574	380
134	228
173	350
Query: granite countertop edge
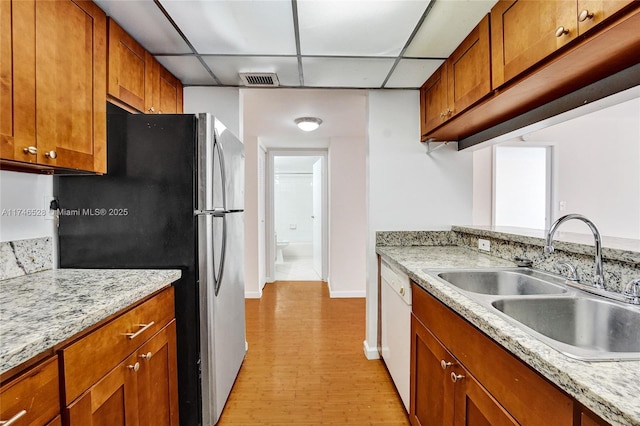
596	385
41	310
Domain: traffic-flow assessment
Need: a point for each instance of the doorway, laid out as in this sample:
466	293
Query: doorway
297	215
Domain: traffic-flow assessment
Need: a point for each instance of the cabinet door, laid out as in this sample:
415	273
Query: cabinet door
433	100
6	81
431	398
524	32
157	379
592	12
70	47
469	69
126	67
113	401
163	91
474	406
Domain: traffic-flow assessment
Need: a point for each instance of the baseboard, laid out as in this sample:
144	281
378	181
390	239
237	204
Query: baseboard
347	294
252	294
370	353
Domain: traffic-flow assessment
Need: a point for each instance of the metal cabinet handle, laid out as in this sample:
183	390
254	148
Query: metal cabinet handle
146	356
30	150
135	367
13	419
456	377
444	364
144	328
560	31
51	154
151	109
584	15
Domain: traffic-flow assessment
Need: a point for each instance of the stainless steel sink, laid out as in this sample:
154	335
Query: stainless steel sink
504	282
583	327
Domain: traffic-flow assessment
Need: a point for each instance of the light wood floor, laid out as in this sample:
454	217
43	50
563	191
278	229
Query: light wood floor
306	366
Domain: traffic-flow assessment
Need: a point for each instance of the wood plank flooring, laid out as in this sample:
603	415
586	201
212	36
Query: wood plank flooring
306	366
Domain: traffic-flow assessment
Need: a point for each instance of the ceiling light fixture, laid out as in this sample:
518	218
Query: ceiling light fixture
308	124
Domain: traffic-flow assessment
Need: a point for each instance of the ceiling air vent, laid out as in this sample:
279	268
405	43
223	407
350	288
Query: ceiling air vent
259	79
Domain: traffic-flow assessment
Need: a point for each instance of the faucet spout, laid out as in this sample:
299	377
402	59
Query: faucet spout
598	280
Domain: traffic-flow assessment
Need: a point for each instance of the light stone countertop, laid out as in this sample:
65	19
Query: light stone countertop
41	310
610	389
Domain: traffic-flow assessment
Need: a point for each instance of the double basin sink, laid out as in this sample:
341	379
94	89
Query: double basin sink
576	323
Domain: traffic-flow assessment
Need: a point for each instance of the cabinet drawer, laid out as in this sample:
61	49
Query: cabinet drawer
90	358
36	392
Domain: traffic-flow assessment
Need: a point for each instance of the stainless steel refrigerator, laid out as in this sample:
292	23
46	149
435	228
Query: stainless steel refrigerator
172	198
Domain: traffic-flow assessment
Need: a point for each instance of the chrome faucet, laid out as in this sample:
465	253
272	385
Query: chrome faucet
598	279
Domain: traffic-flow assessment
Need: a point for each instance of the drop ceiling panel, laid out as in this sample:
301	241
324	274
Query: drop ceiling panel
188	69
147	24
226	68
411	73
236	27
345	72
446	26
357	27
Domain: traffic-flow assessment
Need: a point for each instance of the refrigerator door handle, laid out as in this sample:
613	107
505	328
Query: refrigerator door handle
218	149
214	212
223	252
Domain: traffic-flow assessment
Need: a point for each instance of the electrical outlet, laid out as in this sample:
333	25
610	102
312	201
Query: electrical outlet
484	244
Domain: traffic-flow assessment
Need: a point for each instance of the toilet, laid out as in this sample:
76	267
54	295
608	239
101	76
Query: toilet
279	246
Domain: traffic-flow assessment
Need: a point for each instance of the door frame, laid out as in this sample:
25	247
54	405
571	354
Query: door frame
270	241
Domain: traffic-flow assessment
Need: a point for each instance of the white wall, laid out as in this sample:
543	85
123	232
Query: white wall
596	170
408	190
19	191
482	187
347	217
222	102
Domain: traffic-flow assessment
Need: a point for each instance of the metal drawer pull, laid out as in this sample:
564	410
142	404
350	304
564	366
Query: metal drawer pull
32	150
456	377
139	332
13	419
444	364
146	356
584	15
135	367
561	31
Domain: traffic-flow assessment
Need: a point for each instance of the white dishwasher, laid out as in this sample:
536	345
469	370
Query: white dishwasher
396	327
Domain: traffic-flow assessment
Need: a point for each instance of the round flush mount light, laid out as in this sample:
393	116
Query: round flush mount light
308	124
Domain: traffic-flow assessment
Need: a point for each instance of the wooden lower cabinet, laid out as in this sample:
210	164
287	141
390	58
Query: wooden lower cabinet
445	393
459	376
141	390
32	398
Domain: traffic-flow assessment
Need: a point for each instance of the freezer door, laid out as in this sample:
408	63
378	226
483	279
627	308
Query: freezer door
231	169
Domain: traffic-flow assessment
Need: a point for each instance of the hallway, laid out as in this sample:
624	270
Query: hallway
306	366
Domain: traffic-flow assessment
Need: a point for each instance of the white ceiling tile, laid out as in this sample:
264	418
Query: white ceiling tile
345	72
447	24
411	73
236	27
226	68
188	69
155	33
357	27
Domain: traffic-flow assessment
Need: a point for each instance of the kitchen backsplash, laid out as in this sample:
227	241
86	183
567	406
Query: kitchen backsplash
24	257
620	266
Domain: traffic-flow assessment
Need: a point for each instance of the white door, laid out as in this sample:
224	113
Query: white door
317	217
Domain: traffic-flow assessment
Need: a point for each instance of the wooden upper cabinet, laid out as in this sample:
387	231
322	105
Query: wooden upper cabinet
163	91
523	32
434	100
469	69
6	82
127	67
460	82
592	12
59	84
